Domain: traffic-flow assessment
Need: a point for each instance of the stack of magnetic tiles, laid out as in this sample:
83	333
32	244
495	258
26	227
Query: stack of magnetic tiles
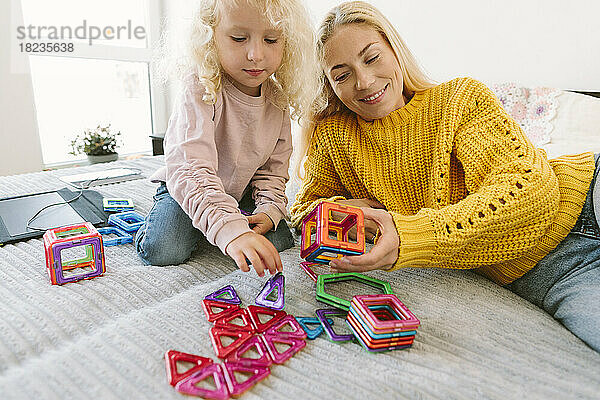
381	322
123	224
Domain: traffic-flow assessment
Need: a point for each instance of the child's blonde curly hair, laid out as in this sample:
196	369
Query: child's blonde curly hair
296	81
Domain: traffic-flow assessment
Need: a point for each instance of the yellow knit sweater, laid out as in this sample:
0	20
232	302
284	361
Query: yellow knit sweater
464	186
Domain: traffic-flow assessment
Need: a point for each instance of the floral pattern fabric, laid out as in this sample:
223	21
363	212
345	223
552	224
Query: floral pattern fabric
533	108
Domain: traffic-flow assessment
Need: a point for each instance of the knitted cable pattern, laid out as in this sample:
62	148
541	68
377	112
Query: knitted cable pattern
464	185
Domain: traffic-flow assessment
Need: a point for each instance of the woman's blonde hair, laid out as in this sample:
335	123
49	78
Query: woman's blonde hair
327	103
296	81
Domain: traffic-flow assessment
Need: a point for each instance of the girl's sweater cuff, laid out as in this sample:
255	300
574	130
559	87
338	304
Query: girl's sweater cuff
272	211
230	231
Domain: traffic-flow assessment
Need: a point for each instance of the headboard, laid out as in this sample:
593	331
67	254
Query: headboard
594	94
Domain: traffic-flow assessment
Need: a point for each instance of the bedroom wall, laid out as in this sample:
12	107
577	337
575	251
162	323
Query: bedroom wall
20	149
533	42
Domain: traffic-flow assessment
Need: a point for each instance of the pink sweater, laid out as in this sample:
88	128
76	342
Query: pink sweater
213	152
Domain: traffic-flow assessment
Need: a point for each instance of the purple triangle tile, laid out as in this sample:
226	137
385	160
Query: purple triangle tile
277	282
219	295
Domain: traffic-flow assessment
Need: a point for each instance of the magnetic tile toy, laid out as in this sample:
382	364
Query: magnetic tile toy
122	237
117	204
406	321
364	338
73	253
338	302
190	384
259	372
239	336
312	333
209	307
242	314
323	238
352	316
289	321
276	284
367	335
172	357
253	343
248	340
310	267
255	313
226	294
129	221
295	344
366	347
381	322
322	315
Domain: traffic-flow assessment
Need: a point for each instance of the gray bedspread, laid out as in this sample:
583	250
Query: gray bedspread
105	338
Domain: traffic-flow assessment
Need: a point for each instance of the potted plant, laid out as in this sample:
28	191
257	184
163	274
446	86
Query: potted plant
99	144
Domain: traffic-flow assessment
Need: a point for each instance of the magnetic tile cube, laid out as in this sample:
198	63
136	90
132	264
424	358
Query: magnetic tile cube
73	253
325	238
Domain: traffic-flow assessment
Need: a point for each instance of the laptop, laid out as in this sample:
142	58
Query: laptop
103	177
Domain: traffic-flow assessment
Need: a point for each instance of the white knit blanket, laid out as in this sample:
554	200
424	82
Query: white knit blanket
105	338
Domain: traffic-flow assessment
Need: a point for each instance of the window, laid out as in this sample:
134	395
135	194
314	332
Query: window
106	80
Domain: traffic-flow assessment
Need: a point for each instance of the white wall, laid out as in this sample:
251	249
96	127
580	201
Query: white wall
20	149
532	42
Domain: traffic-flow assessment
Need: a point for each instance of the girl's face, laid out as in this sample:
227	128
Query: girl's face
363	71
250	49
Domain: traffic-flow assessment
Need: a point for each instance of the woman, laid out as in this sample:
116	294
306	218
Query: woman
446	176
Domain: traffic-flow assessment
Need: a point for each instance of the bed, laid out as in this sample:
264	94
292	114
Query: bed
105	338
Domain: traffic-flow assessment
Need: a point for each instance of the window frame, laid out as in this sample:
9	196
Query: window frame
158	97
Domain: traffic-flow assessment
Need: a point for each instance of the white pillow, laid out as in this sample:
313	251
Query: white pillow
557	121
576	125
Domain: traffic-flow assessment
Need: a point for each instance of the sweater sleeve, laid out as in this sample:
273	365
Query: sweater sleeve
268	183
321	181
191	162
512	199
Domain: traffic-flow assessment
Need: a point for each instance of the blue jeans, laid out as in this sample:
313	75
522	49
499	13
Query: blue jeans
566	283
169	238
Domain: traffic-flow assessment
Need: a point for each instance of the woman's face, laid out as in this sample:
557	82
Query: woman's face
363	71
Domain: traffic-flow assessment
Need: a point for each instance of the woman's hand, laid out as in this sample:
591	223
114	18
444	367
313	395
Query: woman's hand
383	255
256	249
260	223
370	226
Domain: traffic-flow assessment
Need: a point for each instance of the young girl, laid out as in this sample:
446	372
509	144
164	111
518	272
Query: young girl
228	143
448	177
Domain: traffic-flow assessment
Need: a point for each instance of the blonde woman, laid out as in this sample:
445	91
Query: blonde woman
228	143
447	177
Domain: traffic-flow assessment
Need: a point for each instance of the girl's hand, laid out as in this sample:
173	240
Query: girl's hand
370	226
257	250
383	255
260	223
